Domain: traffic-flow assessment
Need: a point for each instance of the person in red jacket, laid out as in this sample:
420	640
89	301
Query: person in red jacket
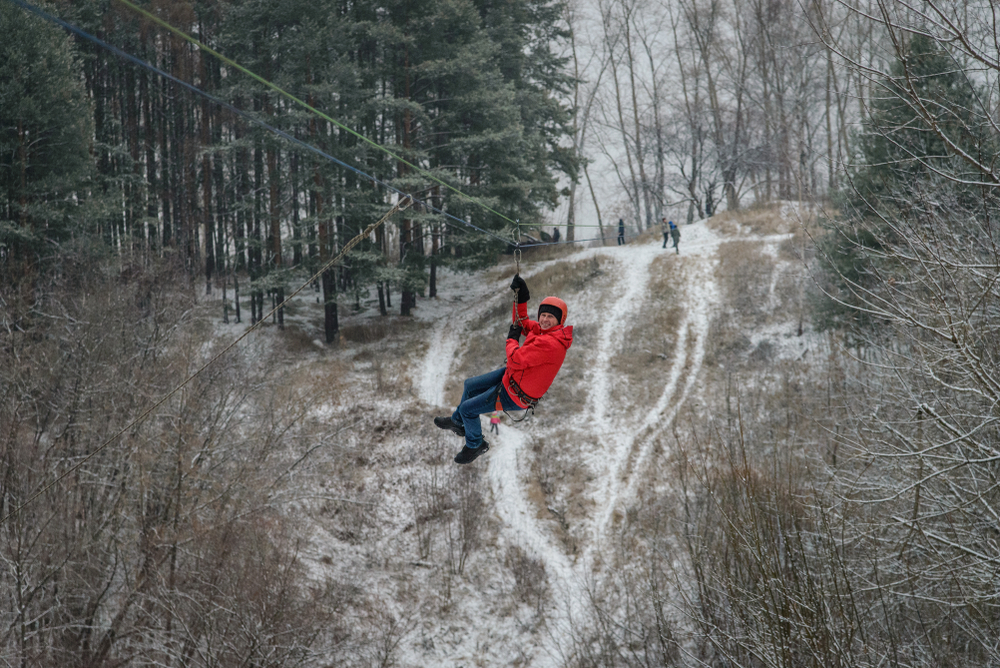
531	368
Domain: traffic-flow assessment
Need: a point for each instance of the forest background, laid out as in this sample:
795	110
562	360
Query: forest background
871	539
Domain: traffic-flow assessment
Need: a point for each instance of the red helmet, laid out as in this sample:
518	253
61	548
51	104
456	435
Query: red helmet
556	307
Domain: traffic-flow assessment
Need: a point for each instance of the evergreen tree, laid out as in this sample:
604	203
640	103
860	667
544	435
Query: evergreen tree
45	133
902	150
911	175
466	90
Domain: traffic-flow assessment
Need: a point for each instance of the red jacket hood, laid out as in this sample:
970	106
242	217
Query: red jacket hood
561	333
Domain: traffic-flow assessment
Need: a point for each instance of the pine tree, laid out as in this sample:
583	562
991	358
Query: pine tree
927	95
911	174
45	132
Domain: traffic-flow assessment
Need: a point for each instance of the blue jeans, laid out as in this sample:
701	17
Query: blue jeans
480	396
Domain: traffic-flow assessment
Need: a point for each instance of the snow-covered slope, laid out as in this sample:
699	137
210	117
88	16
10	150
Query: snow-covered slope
622	438
467	615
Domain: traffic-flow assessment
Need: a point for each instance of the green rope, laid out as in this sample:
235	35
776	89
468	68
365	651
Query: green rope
228	61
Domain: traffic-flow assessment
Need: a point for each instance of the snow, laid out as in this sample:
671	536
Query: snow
617	461
508	463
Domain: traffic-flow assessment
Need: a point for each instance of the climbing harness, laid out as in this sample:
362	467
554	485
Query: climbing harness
522	395
530	401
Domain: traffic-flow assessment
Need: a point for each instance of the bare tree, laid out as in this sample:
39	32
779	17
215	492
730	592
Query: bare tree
921	278
616	39
169	542
584	99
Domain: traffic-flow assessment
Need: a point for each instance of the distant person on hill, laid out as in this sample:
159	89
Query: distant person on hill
531	368
675	234
495	423
555	235
621	231
665	227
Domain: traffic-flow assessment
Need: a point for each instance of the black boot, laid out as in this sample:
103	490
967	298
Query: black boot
448	423
468	454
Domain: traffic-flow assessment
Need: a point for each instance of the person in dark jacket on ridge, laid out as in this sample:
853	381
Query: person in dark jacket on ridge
531	368
675	234
621	231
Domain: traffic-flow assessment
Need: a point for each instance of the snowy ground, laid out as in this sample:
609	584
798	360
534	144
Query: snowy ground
625	441
478	630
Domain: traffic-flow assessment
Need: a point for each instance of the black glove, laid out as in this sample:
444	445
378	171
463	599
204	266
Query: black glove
521	288
515	332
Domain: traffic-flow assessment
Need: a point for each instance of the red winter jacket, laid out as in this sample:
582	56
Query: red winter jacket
534	364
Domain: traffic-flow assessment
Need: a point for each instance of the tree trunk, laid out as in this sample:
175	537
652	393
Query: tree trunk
406	295
432	281
597	206
274	196
166	182
640	158
331	324
631	188
149	139
208	231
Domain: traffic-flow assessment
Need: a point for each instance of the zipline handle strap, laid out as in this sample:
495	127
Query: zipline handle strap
517	270
517	264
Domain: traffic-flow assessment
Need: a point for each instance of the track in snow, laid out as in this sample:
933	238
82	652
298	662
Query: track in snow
622	462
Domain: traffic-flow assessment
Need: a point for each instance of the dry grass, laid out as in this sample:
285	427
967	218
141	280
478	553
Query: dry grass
757	290
370	331
763	220
653	233
744	274
561	484
651	336
501	273
799	248
544	253
565	278
506	267
484	351
726	341
296	341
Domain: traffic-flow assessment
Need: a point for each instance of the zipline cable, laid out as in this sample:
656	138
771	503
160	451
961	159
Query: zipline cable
242	113
399	206
305	105
404	202
295	140
291	138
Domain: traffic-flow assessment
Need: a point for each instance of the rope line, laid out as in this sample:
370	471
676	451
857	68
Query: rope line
244	114
399	206
305	105
560	243
405	201
291	138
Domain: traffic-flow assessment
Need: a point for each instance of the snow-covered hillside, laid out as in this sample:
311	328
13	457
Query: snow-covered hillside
491	564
